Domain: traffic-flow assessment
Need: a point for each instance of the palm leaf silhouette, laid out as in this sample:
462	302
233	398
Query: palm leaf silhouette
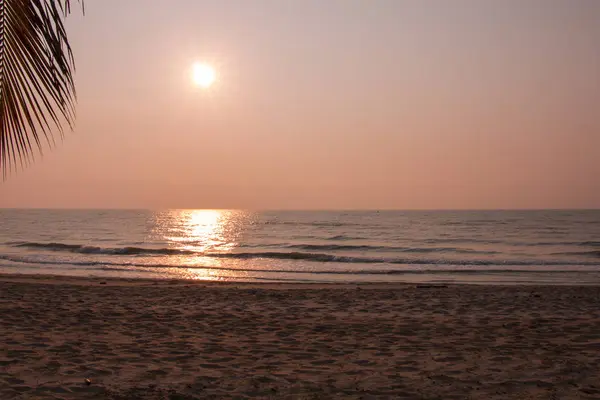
37	92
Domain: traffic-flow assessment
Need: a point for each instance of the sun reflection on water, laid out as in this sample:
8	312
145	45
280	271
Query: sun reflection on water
202	233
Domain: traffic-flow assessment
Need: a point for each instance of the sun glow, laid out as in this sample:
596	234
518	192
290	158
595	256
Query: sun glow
203	75
199	239
206	230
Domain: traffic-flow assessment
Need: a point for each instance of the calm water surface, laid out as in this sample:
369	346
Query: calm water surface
439	246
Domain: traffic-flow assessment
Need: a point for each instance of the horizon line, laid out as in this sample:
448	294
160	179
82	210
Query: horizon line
295	209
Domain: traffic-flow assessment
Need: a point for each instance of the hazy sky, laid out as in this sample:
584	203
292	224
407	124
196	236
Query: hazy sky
329	104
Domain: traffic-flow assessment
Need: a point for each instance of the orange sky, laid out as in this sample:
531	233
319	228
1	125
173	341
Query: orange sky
329	104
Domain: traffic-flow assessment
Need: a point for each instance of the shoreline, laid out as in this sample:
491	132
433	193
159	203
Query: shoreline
50	279
469	278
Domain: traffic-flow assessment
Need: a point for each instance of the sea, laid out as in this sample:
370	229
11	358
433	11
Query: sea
477	247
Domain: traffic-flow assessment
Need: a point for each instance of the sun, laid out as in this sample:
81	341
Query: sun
203	75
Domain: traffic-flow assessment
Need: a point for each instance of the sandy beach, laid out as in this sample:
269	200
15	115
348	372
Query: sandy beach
193	340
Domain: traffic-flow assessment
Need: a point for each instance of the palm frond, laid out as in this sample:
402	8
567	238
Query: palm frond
37	91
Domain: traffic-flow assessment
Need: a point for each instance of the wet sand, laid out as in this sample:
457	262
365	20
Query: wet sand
181	340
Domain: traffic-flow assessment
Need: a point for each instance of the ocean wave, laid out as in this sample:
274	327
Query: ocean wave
328	224
344	237
82	249
334	247
467	240
461	240
112	266
348	247
590	243
331	258
595	253
134	248
586	243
